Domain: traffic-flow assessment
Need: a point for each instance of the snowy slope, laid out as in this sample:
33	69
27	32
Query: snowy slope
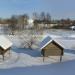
25	62
65	68
29	58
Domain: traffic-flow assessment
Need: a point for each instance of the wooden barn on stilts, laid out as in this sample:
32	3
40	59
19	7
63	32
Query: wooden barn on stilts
5	45
50	47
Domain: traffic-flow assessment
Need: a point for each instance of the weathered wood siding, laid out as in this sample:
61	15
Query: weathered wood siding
52	49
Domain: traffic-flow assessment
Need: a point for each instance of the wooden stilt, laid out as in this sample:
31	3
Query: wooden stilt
60	58
43	58
3	57
9	52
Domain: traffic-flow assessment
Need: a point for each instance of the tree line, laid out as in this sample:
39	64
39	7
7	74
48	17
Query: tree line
21	21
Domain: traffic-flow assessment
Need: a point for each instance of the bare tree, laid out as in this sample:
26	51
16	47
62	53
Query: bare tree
12	24
27	42
22	21
35	16
42	16
48	17
36	19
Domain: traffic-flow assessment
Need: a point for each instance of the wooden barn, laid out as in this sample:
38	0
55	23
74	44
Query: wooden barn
5	45
50	47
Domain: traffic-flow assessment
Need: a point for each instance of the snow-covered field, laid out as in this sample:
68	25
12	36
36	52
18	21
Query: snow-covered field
65	68
26	60
23	61
20	41
29	64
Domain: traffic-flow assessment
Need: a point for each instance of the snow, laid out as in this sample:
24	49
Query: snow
68	42
4	42
26	58
25	64
66	68
24	61
45	42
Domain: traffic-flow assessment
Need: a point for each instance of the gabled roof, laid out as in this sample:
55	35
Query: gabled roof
45	42
48	40
4	42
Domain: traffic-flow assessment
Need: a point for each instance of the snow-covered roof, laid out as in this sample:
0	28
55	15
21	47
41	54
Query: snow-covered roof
45	42
66	43
4	42
48	40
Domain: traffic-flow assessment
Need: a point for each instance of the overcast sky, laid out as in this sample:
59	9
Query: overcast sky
57	8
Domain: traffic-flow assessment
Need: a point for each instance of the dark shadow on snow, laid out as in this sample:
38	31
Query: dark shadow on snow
70	51
31	52
35	52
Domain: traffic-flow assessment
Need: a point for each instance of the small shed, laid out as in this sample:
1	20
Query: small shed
5	45
50	47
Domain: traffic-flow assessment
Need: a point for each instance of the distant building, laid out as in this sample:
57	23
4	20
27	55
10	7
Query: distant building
72	27
4	28
51	25
5	45
41	25
30	21
50	47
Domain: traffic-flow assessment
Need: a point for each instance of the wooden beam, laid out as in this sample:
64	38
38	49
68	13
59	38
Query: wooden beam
60	58
43	58
3	57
